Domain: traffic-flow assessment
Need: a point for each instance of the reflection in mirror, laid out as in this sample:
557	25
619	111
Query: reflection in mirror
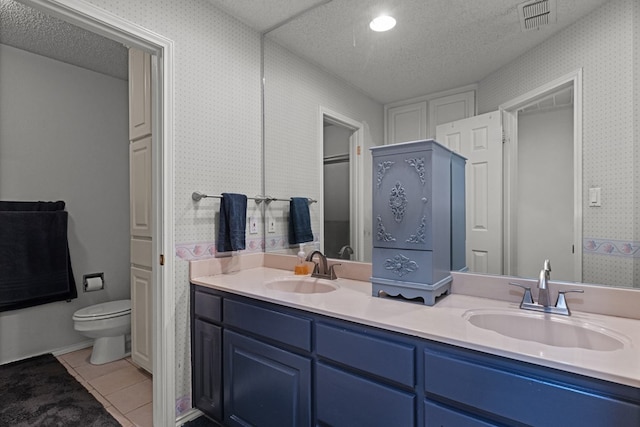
299	98
337	189
545	196
324	59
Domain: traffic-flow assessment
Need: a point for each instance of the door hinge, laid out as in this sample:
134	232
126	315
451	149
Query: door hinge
573	249
161	259
358	150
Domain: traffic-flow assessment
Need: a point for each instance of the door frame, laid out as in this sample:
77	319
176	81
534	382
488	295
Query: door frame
356	170
94	19
509	112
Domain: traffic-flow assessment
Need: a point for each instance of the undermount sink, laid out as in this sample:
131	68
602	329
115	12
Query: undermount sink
547	329
301	285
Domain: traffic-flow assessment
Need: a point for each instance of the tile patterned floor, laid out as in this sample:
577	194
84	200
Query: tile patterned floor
123	388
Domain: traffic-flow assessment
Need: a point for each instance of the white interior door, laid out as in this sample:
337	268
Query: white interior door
479	139
406	123
141	207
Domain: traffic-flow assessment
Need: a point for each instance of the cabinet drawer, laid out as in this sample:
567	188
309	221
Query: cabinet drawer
406	265
509	394
438	416
281	327
386	359
343	399
207	306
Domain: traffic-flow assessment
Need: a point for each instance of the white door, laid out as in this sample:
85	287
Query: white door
447	109
141	317
139	94
406	123
479	139
141	207
141	261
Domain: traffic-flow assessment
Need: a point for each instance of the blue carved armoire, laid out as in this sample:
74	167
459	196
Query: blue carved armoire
418	195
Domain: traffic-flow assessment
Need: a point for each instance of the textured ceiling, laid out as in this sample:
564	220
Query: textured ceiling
436	45
25	28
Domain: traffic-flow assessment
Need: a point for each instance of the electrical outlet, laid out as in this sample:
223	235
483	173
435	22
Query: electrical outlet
253	225
271	225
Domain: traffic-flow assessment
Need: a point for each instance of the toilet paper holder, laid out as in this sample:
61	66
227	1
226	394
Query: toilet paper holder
93	282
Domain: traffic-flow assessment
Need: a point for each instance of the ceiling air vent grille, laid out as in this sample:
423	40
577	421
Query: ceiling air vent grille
537	13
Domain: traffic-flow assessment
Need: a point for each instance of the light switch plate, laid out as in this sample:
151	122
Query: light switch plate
271	225
253	225
595	197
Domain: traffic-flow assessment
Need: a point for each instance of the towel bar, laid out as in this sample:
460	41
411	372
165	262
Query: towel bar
197	196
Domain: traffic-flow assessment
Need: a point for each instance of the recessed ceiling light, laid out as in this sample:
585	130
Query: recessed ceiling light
382	23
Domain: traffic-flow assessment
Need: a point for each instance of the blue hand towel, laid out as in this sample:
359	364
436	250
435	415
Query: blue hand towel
233	222
299	221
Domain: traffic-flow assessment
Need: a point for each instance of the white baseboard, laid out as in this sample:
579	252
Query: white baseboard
56	351
68	349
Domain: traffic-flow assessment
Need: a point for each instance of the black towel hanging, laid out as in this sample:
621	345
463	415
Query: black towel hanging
34	255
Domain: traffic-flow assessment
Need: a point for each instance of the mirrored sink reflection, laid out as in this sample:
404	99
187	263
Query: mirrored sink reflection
301	285
547	329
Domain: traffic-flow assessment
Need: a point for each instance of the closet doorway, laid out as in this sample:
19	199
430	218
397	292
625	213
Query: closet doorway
337	191
341	223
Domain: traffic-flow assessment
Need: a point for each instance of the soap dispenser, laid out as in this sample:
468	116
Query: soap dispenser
301	267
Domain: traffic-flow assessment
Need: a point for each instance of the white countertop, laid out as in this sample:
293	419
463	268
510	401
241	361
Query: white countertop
445	322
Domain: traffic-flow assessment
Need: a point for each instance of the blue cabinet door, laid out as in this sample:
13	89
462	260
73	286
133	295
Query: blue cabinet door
402	200
207	368
263	385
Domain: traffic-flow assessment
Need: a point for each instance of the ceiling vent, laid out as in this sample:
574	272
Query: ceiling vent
536	14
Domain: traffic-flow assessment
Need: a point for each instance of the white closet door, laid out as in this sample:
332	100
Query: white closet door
450	108
407	123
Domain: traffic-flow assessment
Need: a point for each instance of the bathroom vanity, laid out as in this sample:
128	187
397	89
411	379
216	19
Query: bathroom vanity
269	357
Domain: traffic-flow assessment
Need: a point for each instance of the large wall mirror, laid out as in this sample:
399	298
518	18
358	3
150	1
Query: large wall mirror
328	78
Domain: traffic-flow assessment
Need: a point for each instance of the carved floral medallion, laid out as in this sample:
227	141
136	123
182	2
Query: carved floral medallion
400	265
398	201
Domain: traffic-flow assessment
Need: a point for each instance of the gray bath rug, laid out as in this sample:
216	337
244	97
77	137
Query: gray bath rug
40	392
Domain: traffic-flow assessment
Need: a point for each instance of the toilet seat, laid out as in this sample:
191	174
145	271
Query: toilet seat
106	310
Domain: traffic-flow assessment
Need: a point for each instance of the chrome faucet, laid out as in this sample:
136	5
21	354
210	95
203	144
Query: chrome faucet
320	269
543	284
544	300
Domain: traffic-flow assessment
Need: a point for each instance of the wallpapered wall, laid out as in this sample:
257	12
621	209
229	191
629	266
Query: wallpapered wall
602	44
636	136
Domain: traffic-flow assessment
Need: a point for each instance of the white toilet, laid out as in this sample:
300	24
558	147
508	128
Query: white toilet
107	323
